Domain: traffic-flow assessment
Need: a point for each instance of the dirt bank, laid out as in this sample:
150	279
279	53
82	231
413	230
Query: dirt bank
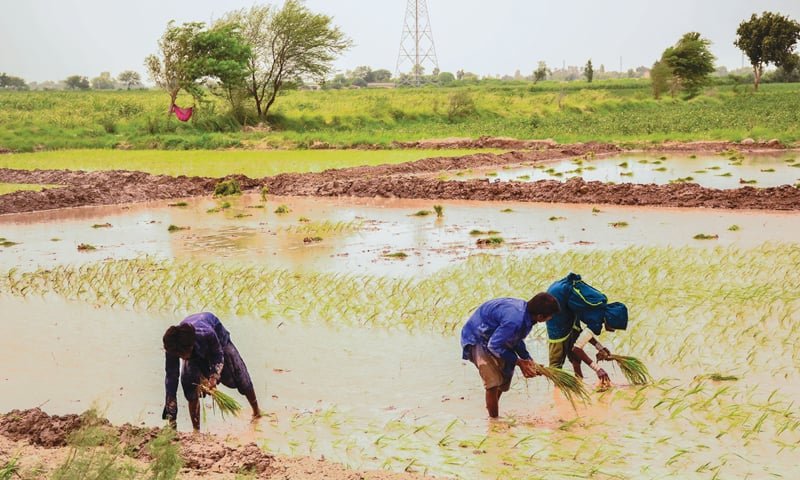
411	180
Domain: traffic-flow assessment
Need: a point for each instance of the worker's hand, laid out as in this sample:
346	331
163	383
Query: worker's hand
528	368
603	376
603	354
212	382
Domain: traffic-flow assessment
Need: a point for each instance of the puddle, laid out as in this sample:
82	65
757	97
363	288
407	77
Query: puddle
708	170
356	235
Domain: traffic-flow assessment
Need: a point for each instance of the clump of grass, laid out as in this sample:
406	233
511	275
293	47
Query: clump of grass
283	208
439	209
421	213
314	239
704	236
227	187
491	174
9	469
489	242
625	174
634	370
165	451
242	215
85	246
623	165
595	210
506	210
175	228
620	224
524	177
178	204
101	225
570	386
7	243
682	180
747	182
556	219
222	401
303	219
396	255
475	231
264	192
734	228
718	377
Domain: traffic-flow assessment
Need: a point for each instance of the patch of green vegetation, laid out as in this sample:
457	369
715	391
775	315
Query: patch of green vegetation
490	241
400	255
101	225
178	204
283	208
734	228
556	219
175	228
620	224
421	213
227	187
704	236
507	210
439	209
85	247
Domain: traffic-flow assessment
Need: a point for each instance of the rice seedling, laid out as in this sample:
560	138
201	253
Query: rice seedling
83	247
556	219
101	225
718	377
634	370
747	182
568	384
264	193
421	213
439	209
620	224
400	255
506	210
475	231
315	239
523	177
489	241
705	236
734	228
10	468
227	187
178	204
282	209
491	174
174	228
7	243
226	404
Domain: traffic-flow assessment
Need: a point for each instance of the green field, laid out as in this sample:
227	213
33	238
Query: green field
619	111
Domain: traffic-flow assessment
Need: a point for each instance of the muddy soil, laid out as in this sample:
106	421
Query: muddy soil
40	439
412	180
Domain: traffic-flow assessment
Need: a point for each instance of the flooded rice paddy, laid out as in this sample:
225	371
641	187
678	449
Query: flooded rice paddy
724	171
355	353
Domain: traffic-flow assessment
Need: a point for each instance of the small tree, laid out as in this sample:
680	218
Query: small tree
541	72
588	71
689	63
190	54
77	82
286	45
130	79
103	82
770	38
12	83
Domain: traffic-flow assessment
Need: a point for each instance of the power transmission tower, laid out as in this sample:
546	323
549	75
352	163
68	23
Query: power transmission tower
416	42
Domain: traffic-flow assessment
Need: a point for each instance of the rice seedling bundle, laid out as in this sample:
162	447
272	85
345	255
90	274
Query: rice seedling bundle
222	401
570	386
634	370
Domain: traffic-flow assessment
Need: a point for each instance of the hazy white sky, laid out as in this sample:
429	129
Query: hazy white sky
52	39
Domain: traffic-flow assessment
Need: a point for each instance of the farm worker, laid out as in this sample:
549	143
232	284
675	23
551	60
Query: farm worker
493	339
208	354
566	336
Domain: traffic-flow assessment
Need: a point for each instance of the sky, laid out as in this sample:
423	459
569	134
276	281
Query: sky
43	40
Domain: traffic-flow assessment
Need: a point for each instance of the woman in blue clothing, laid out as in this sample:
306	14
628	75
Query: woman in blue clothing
205	347
493	339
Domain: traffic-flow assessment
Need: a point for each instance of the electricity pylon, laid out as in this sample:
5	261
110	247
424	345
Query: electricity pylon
416	42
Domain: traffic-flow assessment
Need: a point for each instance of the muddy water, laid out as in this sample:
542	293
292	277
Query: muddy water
708	170
361	232
365	397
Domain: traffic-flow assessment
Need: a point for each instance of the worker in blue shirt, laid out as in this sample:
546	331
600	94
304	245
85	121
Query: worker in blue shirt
208	354
493	339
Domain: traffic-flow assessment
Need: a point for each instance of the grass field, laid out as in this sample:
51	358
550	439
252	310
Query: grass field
613	110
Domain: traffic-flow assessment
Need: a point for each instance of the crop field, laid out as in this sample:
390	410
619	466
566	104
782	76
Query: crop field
355	351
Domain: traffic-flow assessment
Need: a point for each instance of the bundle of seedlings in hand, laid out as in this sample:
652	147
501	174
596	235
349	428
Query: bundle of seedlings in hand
224	402
633	369
570	385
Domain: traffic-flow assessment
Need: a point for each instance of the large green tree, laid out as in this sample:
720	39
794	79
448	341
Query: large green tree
12	83
192	55
130	78
287	45
768	39
77	82
689	63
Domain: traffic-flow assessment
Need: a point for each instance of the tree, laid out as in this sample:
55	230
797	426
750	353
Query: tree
77	82
770	38
541	72
689	63
588	71
286	45
130	78
103	82
660	76
190	55
11	82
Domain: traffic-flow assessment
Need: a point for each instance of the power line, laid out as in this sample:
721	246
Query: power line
416	41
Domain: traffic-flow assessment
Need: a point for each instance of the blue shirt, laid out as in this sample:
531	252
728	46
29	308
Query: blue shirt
210	338
563	321
500	325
